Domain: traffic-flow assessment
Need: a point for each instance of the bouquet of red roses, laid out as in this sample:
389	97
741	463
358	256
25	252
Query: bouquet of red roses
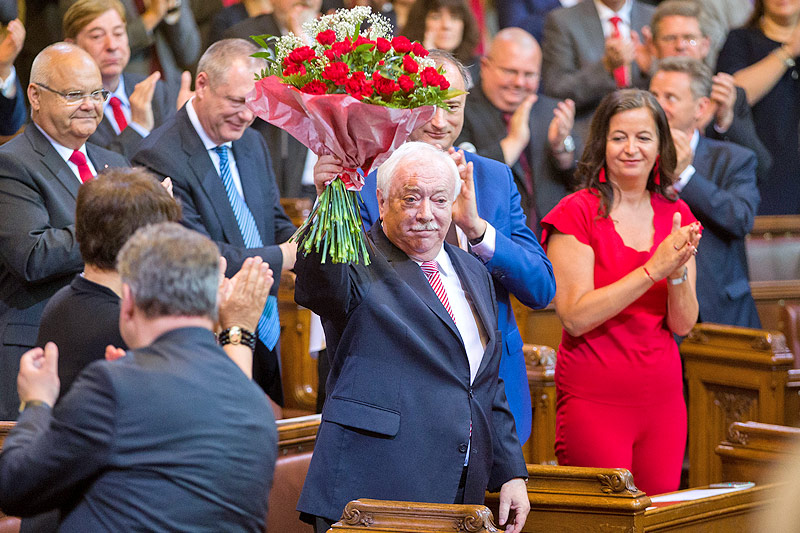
354	94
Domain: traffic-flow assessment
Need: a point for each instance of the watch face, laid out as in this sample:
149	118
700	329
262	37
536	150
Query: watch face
569	144
235	335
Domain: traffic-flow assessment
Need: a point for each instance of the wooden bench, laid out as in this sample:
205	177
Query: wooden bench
734	375
541	366
298	369
383	516
753	451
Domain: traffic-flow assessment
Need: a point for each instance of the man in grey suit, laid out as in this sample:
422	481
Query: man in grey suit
40	173
222	175
137	103
591	49
507	121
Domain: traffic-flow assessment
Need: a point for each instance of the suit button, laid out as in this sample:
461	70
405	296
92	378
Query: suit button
470	393
463	448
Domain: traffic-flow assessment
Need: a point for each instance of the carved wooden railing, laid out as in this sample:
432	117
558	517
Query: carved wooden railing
757	452
380	516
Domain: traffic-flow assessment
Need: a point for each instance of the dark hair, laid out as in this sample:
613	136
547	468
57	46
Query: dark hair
415	26
594	153
755	17
111	207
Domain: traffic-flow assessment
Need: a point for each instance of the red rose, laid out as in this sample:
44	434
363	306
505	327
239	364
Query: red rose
314	87
405	83
384	85
326	37
401	44
409	65
383	45
418	50
336	72
304	53
357	86
363	40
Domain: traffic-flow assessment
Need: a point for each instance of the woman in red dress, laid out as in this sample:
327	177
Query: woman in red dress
623	251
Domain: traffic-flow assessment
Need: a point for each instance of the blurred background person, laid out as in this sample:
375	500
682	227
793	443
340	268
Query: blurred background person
448	25
763	56
623	255
12	99
528	14
234	14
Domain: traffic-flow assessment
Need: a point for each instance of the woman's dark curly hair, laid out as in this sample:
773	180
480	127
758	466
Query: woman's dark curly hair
594	152
415	26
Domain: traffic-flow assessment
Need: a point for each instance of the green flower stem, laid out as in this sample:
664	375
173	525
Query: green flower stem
333	228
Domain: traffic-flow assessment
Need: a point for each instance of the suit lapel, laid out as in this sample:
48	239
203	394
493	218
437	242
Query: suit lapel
98	157
50	158
592	28
412	275
208	179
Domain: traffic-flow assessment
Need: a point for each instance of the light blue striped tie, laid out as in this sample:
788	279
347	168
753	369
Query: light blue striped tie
269	328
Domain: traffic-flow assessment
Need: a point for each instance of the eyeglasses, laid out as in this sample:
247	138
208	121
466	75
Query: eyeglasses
76	97
691	40
509	73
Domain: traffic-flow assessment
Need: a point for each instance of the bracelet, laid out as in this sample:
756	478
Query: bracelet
32	403
236	335
648	275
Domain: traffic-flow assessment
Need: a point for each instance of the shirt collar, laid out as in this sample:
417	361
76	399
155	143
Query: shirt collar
606	12
195	120
62	150
442	259
695	139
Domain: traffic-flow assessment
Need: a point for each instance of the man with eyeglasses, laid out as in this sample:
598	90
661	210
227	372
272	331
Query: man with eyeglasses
505	120
40	173
678	29
222	173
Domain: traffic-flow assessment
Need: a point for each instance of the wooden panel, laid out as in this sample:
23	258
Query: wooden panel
733	375
298	369
5	428
752	451
537	326
297	209
297	435
541	366
382	516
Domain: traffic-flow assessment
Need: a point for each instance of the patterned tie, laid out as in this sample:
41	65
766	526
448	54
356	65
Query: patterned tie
620	73
119	115
431	270
83	167
269	328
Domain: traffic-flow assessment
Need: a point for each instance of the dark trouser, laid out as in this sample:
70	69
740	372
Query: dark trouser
321	525
461	485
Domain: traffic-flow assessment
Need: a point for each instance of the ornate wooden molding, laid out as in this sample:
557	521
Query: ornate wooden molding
399	517
744	345
735	407
620	481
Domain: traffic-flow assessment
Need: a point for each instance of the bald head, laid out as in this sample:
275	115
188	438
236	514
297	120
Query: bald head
510	70
59	69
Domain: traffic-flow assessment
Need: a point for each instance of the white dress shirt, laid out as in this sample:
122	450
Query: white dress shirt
606	13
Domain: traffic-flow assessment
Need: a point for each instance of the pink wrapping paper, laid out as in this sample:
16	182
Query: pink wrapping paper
361	135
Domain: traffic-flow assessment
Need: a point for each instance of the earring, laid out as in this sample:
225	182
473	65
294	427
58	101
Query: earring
657	171
602	176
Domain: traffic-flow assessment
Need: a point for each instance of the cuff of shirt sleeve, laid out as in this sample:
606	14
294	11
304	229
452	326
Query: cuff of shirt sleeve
138	128
8	86
485	249
686	175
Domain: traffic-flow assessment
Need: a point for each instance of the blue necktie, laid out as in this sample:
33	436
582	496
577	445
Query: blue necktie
269	328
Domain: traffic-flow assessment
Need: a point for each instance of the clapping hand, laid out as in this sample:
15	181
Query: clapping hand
675	251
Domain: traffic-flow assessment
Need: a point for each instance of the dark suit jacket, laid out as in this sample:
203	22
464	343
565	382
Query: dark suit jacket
176	150
526	14
396	423
723	196
260	25
127	142
519	267
484	127
572	49
172	437
12	112
38	250
743	133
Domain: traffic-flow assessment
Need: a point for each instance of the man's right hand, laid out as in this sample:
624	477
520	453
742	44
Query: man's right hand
141	100
185	93
289	253
11	46
154	13
519	132
38	375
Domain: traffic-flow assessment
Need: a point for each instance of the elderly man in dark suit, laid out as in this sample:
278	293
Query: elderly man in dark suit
718	181
40	173
506	120
591	49
171	437
222	175
415	410
137	103
678	30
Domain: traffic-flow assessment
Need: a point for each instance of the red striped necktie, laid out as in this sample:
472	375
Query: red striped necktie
83	167
431	270
119	115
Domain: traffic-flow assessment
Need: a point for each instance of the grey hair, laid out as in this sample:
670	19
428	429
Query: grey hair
416	152
699	73
217	59
679	8
442	57
171	270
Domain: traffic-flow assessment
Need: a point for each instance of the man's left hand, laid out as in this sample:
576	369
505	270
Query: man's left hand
514	495
38	375
465	208
561	125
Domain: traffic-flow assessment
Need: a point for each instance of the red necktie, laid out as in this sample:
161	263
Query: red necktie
83	168
119	115
431	270
620	74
